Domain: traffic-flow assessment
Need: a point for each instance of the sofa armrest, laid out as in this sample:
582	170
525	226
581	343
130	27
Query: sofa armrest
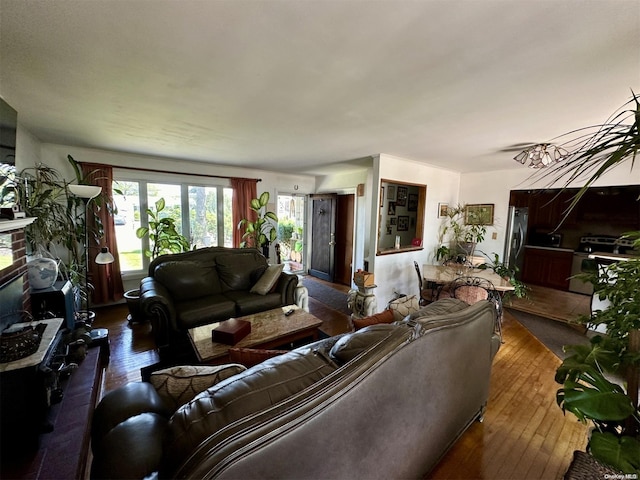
286	287
156	303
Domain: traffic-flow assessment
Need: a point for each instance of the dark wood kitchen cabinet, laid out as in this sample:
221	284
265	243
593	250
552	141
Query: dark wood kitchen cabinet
618	207
547	267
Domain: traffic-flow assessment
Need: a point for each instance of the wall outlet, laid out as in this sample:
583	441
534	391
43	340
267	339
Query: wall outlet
494	236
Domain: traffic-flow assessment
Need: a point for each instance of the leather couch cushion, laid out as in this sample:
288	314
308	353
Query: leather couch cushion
177	385
248	303
137	397
136	443
214	308
187	279
385	316
239	271
353	344
253	390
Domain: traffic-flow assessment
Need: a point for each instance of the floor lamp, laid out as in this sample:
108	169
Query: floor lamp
86	193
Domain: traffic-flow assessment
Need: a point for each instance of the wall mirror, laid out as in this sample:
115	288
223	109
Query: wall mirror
400	216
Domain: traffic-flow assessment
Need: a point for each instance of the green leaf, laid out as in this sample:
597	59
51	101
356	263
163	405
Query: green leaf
160	204
264	199
142	232
622	453
255	204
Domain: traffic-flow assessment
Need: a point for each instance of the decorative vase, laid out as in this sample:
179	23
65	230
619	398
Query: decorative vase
133	302
42	272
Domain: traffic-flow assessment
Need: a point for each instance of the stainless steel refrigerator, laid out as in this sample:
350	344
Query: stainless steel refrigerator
516	238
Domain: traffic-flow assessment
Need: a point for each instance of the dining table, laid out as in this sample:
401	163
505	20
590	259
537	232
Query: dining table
443	274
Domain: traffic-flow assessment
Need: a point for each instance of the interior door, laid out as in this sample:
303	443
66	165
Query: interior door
344	239
323	231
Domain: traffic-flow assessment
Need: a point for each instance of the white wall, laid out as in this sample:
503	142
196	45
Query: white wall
27	148
396	272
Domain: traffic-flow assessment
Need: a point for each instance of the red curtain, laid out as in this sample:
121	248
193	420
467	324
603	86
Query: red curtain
244	190
106	279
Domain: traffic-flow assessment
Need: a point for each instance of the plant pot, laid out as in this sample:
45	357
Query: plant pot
133	302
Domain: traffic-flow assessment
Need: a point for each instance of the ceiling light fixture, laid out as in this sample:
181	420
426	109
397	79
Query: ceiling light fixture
541	155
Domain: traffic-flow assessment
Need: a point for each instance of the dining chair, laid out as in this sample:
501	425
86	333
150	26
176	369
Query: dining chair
428	290
475	289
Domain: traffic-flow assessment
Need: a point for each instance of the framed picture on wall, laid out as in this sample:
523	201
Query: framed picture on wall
391	192
412	206
392	208
393	221
381	197
401	199
479	214
443	209
403	223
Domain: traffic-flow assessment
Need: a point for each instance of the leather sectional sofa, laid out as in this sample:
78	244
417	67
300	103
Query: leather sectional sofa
186	290
384	402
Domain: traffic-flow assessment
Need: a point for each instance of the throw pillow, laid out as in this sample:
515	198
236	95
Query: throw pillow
403	306
382	317
177	385
268	279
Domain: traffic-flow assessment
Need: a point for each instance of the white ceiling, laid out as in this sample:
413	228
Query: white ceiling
294	85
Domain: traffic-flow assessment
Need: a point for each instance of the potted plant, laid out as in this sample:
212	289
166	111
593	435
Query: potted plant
163	238
588	390
457	237
261	232
508	273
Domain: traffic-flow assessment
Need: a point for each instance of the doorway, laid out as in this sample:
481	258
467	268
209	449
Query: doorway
332	237
291	210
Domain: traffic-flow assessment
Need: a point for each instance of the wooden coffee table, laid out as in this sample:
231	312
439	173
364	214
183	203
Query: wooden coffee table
269	329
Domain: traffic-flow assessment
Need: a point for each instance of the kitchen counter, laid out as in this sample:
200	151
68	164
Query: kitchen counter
555	249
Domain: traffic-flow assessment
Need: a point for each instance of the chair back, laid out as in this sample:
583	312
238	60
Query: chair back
415	264
475	289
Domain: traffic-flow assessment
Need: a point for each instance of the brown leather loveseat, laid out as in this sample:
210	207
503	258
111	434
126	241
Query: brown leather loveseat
186	290
384	402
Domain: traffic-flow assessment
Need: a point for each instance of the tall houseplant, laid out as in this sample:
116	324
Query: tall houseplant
162	233
164	238
259	233
457	237
58	230
587	391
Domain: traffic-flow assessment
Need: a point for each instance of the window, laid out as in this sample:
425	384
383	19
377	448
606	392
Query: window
202	213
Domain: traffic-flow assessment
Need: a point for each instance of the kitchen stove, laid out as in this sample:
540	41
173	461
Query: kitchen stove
597	243
592	251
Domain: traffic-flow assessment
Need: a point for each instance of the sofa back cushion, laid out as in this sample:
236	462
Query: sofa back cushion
187	279
239	271
237	397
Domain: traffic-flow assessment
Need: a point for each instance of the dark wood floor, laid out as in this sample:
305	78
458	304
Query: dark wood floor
524	434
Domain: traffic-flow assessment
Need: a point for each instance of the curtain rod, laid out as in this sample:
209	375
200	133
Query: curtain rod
153	170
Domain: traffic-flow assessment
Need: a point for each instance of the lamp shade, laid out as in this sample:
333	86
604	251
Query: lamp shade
104	257
85	191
